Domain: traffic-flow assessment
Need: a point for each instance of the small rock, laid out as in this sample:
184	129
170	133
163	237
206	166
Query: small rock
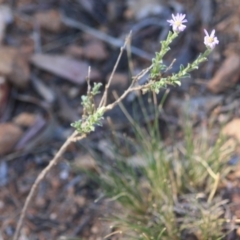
14	67
233	129
95	50
25	119
8	55
227	75
87	37
55	183
53	216
74	51
20	73
73	92
95	229
50	20
80	200
40	202
10	134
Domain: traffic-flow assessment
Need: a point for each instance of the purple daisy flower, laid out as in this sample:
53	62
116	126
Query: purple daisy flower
210	40
177	22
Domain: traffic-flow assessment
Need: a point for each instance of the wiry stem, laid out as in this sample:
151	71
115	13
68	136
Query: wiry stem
40	177
104	98
131	88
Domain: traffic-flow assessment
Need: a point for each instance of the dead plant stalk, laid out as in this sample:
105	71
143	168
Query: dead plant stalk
40	177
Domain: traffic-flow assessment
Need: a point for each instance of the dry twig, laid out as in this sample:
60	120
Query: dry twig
40	177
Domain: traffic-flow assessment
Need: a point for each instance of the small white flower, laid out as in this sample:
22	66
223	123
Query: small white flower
177	22
210	40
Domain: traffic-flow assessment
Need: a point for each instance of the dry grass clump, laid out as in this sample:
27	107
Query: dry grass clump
168	192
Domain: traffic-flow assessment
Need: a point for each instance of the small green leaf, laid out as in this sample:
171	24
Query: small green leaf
177	83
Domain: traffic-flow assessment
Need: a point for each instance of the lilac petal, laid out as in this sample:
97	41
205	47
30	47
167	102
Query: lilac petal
212	45
206	32
205	40
212	33
175	28
183	16
181	28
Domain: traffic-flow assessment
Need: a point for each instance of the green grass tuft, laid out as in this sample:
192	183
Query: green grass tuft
167	191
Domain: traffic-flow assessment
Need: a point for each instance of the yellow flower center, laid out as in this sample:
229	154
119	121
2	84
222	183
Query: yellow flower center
210	39
178	23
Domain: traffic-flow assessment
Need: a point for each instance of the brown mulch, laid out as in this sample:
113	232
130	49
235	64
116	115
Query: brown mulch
45	50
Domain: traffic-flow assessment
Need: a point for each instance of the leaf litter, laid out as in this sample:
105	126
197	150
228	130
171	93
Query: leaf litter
65	203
